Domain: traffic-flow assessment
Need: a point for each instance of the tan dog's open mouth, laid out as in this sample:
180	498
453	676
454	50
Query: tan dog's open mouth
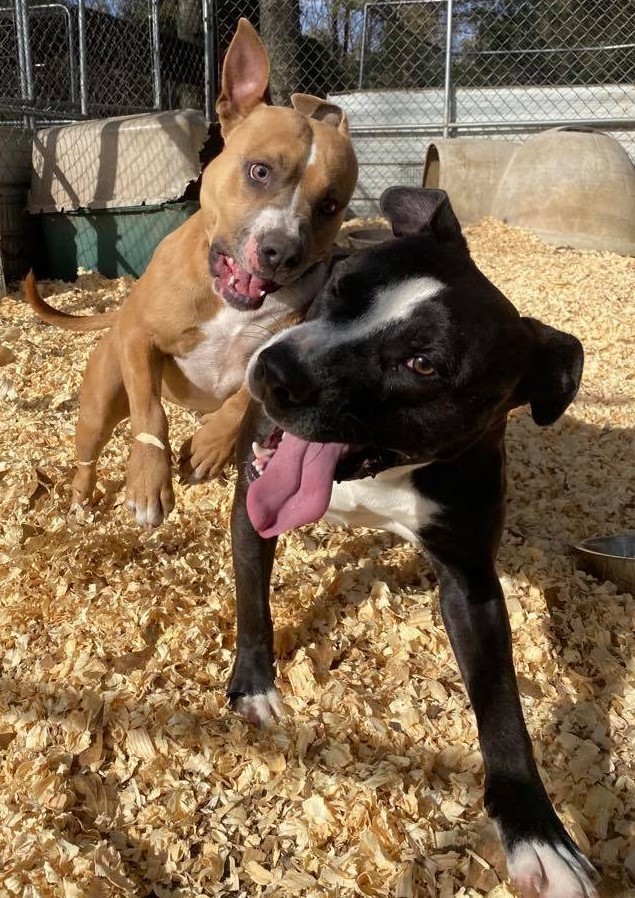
239	288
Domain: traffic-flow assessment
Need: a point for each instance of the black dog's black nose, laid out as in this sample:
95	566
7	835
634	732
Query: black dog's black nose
281	380
278	250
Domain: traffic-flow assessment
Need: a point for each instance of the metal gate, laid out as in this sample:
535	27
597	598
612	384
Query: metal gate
61	62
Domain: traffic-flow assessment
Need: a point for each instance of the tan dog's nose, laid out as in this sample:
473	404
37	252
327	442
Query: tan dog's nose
278	252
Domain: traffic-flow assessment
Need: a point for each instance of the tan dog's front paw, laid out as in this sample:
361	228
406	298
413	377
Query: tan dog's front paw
205	454
84	481
149	493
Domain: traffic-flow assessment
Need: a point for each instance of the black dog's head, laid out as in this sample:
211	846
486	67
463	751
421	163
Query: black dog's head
410	353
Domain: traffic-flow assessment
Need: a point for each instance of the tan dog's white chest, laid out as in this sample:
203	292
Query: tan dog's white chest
385	502
216	365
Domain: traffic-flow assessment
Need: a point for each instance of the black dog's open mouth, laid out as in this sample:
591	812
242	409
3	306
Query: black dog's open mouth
239	288
292	479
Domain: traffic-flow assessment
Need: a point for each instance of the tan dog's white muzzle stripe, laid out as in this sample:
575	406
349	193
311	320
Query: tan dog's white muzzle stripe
150	440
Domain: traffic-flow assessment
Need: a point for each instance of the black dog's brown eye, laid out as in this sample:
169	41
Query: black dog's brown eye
259	172
329	207
420	365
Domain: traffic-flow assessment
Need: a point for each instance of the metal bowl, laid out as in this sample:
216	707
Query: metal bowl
609	558
368	237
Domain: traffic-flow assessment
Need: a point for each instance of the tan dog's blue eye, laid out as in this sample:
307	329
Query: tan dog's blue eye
259	172
329	207
420	365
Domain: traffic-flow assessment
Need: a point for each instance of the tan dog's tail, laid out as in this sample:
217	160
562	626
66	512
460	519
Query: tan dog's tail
62	319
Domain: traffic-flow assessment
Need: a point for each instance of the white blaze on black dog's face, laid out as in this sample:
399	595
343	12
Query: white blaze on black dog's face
410	348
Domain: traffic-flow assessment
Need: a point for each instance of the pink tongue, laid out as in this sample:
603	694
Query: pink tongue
249	285
295	487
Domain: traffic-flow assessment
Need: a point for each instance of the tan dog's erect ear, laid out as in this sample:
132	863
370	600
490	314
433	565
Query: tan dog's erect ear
245	77
322	110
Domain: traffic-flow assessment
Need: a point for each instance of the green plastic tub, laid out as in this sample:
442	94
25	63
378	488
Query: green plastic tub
113	242
106	192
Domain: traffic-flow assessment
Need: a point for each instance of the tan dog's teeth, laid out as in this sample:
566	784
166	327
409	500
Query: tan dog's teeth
263	293
232	281
230	261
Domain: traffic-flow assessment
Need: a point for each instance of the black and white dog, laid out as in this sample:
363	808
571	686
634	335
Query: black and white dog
397	388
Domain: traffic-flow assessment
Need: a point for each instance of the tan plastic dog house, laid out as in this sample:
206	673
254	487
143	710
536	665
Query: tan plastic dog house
570	187
107	191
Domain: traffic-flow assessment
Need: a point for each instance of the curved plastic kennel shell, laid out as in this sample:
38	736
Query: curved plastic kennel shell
571	187
469	170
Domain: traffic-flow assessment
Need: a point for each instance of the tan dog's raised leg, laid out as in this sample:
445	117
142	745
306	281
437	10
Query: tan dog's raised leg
207	452
103	405
149	494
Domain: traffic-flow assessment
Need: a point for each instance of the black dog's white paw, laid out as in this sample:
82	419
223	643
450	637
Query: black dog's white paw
260	709
542	870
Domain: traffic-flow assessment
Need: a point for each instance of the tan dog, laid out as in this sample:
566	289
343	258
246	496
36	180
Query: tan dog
248	262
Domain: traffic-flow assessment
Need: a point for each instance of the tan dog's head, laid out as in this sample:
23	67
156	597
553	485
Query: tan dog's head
274	199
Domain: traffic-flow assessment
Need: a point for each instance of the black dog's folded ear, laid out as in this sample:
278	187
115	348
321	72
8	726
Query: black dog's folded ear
419	210
554	372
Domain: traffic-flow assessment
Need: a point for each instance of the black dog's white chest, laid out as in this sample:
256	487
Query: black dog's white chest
390	501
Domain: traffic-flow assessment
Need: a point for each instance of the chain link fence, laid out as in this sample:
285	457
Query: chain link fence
405	71
501	69
61	62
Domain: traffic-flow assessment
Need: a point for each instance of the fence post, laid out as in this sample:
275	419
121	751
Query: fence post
24	57
156	52
71	58
448	89
83	82
362	52
210	60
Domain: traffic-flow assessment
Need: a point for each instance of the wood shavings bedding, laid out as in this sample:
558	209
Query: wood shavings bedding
122	772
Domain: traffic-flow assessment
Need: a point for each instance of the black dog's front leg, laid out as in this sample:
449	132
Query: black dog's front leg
251	689
542	859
